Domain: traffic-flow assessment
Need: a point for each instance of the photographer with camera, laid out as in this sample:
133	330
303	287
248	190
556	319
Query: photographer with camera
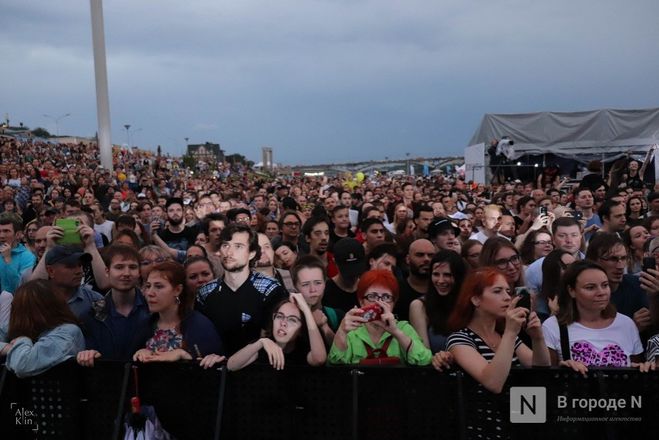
501	154
370	334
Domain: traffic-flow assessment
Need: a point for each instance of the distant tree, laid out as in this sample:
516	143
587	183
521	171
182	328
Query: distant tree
41	132
238	158
189	161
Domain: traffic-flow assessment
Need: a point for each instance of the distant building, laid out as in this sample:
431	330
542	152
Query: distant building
206	152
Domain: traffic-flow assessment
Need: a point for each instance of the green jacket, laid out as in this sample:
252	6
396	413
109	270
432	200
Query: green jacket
356	350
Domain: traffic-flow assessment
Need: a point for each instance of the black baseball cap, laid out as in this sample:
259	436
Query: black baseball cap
441	224
67	255
350	257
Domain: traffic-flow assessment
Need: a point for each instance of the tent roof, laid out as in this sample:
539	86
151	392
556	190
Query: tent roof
592	133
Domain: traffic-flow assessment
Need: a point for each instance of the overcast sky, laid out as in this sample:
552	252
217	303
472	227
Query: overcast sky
323	80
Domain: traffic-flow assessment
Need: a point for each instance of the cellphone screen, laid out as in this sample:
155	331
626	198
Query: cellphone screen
525	300
70	227
649	263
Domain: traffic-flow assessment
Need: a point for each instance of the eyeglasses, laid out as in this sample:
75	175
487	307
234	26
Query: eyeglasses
503	263
543	242
384	297
157	261
613	258
292	224
290	320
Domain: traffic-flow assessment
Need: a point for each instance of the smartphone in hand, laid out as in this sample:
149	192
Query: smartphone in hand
525	300
70	227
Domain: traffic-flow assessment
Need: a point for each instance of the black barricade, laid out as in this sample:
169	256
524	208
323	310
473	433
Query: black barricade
325	403
296	403
67	401
187	399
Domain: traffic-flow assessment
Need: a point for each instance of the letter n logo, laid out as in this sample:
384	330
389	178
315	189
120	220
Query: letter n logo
528	405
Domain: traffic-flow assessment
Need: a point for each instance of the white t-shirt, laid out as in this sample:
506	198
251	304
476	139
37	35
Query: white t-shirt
603	347
105	228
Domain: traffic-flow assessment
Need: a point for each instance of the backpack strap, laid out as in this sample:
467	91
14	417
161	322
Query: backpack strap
378	352
565	342
332	318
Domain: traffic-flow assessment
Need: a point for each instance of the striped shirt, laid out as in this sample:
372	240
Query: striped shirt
468	337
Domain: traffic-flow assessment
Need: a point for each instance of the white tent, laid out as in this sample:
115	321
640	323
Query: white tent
582	136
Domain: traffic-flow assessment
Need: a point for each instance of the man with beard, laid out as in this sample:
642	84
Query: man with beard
415	285
508	227
176	235
265	265
116	326
240	303
613	217
340	291
316	232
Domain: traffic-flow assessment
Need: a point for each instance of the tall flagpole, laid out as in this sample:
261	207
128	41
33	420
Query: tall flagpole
101	74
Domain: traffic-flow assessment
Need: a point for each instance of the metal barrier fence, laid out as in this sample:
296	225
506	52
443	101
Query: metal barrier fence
71	402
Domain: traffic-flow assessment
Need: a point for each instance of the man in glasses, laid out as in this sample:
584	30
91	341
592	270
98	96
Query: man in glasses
633	296
290	225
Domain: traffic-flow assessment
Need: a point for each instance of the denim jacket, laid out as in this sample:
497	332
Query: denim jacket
27	358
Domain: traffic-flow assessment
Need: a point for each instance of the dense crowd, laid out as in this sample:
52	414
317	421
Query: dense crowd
151	262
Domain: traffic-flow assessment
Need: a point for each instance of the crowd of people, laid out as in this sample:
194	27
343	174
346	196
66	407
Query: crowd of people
150	262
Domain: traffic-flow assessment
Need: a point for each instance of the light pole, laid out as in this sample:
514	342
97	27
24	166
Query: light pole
135	130
127	127
185	149
57	119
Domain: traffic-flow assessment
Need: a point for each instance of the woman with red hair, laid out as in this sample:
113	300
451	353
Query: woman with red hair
370	334
486	322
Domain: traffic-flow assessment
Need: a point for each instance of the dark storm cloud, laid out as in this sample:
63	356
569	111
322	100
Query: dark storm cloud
324	80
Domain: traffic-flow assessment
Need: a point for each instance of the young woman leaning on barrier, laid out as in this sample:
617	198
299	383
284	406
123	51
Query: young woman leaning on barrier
42	331
292	337
179	332
595	334
486	322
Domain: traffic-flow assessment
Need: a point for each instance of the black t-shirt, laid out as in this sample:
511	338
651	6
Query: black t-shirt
407	295
297	356
334	238
179	240
338	298
239	316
